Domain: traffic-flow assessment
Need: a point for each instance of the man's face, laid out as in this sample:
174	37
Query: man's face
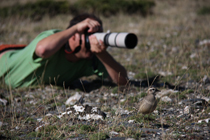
83	53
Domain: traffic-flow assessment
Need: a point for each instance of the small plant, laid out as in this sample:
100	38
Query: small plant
144	74
115	90
87	128
133	133
99	136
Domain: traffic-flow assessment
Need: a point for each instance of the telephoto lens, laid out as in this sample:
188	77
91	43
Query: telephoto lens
120	40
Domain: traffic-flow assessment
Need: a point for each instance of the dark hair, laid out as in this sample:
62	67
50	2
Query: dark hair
82	17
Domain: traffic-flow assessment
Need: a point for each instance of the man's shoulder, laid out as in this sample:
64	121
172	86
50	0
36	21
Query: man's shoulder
51	31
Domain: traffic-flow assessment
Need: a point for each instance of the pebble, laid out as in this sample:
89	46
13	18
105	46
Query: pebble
113	133
131	121
187	110
166	99
205	120
206	79
3	101
73	99
166	92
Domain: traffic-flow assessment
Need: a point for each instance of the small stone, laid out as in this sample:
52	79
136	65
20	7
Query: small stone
206	128
29	96
165	93
130	139
18	99
155	111
205	132
206	79
113	133
205	120
121	111
73	99
166	99
131	121
187	110
3	101
39	127
122	100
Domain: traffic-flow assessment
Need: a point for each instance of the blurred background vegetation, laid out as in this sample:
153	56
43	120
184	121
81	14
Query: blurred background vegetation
107	8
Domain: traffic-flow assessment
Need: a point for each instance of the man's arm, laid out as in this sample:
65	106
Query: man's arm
51	44
116	71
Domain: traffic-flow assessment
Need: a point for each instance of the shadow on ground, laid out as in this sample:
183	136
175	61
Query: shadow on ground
88	86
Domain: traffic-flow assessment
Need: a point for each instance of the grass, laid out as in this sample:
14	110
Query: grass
167	43
36	10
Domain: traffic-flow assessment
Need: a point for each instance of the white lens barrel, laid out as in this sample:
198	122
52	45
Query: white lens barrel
100	36
121	40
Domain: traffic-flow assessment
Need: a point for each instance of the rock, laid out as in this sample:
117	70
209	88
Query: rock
121	111
205	42
130	139
122	100
165	93
131	121
193	55
162	73
73	99
3	101
205	120
195	103
19	99
41	126
206	79
166	99
29	96
187	110
84	112
113	133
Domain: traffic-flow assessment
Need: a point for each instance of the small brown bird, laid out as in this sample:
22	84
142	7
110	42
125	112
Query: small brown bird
149	103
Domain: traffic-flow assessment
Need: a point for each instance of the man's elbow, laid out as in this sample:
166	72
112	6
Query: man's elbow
122	81
41	51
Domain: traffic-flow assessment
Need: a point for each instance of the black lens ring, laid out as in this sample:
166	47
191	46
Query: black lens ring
115	39
106	39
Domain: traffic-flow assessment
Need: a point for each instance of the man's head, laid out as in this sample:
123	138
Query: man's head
77	41
82	17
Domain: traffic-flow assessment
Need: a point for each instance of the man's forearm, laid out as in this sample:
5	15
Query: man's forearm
51	44
116	71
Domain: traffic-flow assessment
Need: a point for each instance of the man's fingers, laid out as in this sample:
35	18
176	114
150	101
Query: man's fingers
96	46
93	25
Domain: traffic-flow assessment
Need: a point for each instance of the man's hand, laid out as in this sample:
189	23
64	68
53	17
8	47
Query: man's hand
97	47
93	26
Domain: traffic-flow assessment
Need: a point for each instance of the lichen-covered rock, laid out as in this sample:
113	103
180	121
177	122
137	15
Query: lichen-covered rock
84	112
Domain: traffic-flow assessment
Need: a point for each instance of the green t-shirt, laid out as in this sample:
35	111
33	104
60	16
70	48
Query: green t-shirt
22	68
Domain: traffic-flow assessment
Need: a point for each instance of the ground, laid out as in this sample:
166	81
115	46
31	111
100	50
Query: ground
172	55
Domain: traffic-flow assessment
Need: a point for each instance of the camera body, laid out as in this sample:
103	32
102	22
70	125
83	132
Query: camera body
120	39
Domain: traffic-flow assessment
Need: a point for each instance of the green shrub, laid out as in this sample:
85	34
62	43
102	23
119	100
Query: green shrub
87	128
112	7
204	10
36	10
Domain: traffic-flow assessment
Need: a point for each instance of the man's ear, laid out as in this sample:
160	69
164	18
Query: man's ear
72	37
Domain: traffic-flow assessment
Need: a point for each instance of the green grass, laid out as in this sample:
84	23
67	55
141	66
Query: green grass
99	136
166	43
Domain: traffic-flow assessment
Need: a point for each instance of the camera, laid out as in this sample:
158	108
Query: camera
115	39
